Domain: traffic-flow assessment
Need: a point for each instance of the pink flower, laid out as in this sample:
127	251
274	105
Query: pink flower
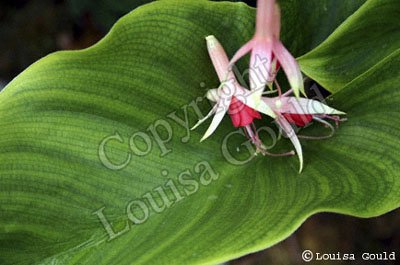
241	114
232	98
268	52
300	112
300	120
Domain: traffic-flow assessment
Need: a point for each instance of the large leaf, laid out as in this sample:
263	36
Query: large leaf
56	114
362	41
307	23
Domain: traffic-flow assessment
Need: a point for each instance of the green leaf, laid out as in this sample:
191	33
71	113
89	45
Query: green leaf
362	41
307	23
139	81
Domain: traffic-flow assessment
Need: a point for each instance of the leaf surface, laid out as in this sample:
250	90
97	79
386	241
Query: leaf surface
139	82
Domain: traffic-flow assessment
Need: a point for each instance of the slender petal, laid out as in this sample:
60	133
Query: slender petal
300	106
242	52
219	59
260	67
212	111
284	124
290	66
222	108
215	122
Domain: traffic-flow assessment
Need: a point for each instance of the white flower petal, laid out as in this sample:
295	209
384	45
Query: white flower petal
308	106
221	109
246	48
284	124
212	95
290	66
212	111
295	105
250	100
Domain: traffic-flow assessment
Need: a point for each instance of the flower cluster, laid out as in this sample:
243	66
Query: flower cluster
268	55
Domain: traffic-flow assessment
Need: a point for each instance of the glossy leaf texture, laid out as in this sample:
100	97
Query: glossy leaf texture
141	81
365	39
307	23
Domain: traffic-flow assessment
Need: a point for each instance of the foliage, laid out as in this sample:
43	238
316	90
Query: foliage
141	78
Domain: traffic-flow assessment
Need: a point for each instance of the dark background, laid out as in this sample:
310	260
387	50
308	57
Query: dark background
32	29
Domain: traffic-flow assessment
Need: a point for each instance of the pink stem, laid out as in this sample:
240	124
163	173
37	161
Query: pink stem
336	119
278	87
287	93
259	146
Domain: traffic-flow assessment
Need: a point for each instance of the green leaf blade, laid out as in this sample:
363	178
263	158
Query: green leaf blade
55	115
362	41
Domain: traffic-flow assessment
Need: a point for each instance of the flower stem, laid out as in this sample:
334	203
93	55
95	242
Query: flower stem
260	148
264	19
